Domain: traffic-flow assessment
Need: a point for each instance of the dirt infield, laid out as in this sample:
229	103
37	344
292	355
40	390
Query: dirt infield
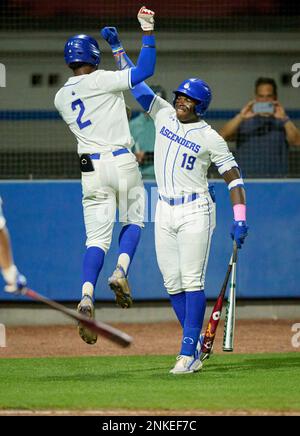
149	338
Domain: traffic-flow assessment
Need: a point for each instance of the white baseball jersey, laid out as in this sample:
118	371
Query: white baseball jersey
183	231
93	106
184	152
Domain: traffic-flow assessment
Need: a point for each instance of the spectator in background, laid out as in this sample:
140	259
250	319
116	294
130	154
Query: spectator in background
263	133
143	132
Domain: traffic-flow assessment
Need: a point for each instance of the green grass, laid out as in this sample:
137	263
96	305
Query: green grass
227	381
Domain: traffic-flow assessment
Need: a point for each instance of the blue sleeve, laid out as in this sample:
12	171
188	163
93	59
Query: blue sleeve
144	95
141	91
146	61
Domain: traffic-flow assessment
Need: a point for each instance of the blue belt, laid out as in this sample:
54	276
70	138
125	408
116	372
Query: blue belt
96	156
179	200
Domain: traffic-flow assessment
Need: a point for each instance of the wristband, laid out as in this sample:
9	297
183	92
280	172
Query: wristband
118	50
239	212
234	183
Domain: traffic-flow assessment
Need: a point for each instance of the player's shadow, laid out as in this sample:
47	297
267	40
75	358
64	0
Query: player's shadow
129	374
255	364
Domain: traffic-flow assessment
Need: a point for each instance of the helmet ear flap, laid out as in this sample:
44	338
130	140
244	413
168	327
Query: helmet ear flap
199	109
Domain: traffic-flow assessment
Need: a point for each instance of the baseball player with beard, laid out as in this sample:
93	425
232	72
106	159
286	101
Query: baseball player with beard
185	147
15	281
92	104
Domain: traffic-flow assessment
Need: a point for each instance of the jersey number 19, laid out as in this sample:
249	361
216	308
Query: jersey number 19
188	161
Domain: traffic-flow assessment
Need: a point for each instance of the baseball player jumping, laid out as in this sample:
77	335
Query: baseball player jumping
185	147
15	281
92	104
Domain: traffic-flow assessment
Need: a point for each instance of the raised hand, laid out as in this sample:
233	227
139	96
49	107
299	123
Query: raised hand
110	34
146	19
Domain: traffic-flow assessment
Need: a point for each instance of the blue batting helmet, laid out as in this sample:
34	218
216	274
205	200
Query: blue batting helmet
198	90
82	48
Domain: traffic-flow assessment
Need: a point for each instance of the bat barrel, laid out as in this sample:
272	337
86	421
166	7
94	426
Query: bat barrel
214	319
111	333
228	339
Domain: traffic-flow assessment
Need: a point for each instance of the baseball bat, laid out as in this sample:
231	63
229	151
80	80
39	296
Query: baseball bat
214	319
99	327
229	326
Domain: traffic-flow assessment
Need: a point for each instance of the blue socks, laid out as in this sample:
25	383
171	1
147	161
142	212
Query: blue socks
92	264
94	257
189	308
129	239
195	306
128	242
178	304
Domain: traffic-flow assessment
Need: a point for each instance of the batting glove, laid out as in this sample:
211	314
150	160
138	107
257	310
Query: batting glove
15	281
110	34
239	231
146	18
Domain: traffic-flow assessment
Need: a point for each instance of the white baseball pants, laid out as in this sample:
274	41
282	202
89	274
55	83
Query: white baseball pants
182	240
115	182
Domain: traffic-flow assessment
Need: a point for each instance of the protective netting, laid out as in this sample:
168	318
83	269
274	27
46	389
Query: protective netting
187	15
34	141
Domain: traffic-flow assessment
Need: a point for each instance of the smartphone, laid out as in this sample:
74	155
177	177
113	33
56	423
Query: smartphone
263	107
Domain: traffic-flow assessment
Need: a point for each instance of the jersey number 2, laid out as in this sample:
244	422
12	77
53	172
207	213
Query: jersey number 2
188	161
81	124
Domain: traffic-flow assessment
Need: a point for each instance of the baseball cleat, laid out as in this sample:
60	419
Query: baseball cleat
119	285
86	308
186	365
